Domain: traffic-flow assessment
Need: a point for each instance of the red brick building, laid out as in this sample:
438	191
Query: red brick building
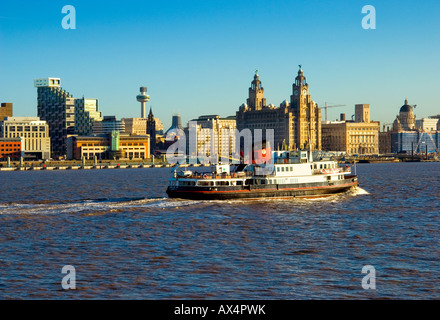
10	147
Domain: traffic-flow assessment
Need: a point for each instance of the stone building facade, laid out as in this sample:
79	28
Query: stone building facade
214	136
34	133
360	136
290	121
5	110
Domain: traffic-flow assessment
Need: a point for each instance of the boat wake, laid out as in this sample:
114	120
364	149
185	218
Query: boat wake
358	191
82	206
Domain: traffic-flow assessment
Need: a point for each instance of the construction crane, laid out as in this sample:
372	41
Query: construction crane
334	106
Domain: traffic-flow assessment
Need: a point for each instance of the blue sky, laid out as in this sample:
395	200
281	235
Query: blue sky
199	57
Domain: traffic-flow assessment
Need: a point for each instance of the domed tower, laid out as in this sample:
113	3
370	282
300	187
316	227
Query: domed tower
143	98
397	127
256	100
407	117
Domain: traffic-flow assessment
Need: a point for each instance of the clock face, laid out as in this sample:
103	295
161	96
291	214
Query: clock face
304	91
296	92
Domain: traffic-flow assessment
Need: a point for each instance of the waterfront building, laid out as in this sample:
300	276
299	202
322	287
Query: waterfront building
107	125
406	119
159	127
56	106
256	114
359	136
135	126
5	110
11	148
86	114
427	124
385	142
307	115
34	133
412	142
291	121
413	136
109	146
209	127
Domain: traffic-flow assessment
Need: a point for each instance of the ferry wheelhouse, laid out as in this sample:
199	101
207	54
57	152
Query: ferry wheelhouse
291	174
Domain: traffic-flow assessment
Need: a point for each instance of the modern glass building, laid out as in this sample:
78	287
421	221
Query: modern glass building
417	142
107	125
56	106
86	114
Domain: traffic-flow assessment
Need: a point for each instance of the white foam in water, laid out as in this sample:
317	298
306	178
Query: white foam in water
359	191
90	205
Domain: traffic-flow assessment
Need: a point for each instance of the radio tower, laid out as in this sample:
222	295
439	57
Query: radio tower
143	98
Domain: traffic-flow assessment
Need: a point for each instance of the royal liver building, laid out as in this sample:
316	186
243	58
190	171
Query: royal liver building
290	121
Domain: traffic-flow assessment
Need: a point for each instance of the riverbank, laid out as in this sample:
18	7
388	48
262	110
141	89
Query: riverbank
79	165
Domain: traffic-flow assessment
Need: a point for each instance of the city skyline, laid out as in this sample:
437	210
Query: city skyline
197	56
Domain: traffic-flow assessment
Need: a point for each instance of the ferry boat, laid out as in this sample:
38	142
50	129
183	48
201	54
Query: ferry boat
292	174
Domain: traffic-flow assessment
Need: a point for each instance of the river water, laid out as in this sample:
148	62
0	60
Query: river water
127	240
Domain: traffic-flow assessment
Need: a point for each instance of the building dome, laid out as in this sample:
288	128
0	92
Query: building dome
406	107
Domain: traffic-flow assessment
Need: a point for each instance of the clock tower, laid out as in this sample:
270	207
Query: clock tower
256	100
307	114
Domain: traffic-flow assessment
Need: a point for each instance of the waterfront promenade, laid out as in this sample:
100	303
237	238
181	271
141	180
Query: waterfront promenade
85	165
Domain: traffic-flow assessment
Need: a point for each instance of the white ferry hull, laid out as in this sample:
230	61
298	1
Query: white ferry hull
264	191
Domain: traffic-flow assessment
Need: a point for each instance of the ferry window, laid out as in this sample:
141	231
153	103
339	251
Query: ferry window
291	168
263	181
239	183
282	169
314	166
278	169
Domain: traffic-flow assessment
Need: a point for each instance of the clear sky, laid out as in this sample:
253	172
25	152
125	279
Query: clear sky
199	57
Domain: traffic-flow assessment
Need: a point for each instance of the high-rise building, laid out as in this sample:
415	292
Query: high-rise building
34	133
307	115
56	106
107	125
5	110
86	114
